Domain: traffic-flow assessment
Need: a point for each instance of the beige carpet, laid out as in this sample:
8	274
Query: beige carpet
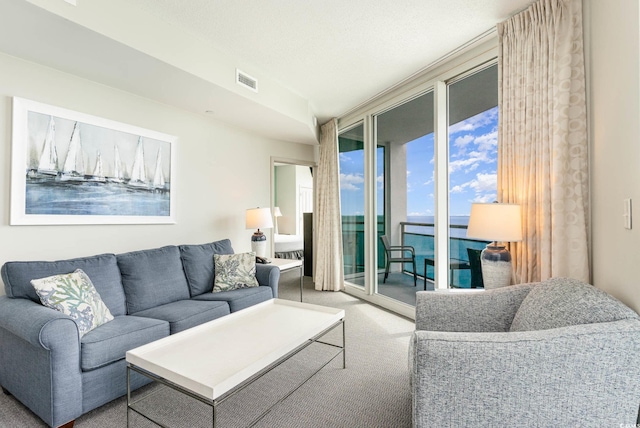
373	391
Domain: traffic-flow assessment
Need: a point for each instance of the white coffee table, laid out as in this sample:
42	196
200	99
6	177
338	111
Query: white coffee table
212	361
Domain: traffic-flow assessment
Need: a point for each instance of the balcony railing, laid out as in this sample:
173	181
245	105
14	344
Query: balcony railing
418	235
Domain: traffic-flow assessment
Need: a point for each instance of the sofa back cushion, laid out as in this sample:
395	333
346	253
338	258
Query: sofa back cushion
199	267
561	302
152	278
101	269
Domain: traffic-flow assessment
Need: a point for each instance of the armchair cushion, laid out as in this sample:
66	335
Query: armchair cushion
561	302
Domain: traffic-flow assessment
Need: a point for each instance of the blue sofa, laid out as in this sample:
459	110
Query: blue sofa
151	294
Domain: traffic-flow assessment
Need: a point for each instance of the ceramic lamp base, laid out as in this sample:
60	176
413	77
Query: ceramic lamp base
259	244
496	266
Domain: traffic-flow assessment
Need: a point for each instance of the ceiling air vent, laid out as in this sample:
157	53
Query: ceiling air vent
243	79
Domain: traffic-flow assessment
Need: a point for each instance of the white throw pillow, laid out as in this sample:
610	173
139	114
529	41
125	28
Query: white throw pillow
234	271
75	295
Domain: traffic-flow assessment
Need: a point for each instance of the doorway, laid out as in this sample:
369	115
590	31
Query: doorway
293	205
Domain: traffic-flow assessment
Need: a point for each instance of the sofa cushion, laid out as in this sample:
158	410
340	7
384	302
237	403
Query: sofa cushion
73	294
241	298
102	269
152	278
109	342
185	314
561	302
234	271
198	264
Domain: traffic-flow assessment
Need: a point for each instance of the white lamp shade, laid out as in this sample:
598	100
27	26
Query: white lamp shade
259	218
277	212
495	222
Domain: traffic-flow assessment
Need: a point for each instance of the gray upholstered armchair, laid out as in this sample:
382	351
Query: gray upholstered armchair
556	353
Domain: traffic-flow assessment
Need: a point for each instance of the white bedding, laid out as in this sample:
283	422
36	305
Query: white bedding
286	243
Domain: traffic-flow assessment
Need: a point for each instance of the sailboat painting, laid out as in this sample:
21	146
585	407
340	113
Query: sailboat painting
73	168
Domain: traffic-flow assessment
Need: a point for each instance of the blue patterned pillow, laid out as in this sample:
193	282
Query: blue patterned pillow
74	294
233	271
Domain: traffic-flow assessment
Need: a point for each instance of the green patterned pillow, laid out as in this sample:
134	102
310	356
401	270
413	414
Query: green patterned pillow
234	271
74	294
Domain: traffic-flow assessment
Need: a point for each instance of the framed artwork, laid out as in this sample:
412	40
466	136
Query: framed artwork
72	168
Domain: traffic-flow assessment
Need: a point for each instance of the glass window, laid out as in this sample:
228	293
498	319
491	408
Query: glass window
473	163
351	161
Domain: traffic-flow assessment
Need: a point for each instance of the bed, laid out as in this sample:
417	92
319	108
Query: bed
289	246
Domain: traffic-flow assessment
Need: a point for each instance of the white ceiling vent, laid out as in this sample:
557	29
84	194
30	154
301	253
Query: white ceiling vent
243	79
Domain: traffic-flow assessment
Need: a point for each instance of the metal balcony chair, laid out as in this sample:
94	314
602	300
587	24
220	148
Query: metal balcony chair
407	255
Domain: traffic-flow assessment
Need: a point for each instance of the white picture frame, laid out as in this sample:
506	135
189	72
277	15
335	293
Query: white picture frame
69	168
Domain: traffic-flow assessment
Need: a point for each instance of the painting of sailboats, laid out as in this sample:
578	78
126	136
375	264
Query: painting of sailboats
72	168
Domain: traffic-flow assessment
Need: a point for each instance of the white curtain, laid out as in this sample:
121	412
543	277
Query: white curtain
328	270
543	151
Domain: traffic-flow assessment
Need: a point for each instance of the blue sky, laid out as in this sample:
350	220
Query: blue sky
472	167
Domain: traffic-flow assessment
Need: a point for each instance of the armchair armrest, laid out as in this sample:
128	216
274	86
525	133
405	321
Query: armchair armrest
268	275
40	359
559	377
489	310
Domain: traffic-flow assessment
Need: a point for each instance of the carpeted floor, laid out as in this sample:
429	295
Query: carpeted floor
373	391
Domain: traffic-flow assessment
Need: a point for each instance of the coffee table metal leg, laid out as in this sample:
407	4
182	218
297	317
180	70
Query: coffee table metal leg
128	392
344	347
301	280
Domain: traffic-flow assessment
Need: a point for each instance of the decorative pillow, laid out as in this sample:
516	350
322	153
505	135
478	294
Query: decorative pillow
562	302
234	271
74	294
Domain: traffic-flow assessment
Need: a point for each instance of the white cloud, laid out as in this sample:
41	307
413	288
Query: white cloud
488	141
485	183
344	158
462	141
486	198
350	181
484	186
475	122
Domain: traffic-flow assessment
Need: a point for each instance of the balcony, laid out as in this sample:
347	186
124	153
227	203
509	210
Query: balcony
420	236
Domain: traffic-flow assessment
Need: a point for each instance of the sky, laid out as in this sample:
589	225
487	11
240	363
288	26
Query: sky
472	170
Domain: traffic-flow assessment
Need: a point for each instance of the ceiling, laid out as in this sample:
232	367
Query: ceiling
315	60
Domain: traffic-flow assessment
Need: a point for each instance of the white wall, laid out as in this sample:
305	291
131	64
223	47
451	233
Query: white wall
612	34
221	171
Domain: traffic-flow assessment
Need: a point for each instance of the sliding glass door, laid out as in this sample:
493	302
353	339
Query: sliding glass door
410	168
352	187
406	189
473	163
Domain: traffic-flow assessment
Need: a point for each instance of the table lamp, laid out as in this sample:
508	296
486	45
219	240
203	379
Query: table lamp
276	213
259	218
497	223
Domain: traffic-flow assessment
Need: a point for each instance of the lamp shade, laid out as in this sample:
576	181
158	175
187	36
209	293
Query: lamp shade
495	222
259	218
277	212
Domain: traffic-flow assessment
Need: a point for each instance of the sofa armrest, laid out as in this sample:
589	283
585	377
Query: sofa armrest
268	275
40	359
482	310
559	377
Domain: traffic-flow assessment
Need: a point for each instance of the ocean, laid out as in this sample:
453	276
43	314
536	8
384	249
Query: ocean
53	197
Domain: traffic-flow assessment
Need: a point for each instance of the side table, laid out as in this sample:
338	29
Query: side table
286	265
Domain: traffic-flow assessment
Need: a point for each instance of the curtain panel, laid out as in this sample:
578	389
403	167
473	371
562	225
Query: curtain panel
328	269
542	138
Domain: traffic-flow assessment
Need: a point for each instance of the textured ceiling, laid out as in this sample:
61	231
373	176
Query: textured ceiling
335	53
